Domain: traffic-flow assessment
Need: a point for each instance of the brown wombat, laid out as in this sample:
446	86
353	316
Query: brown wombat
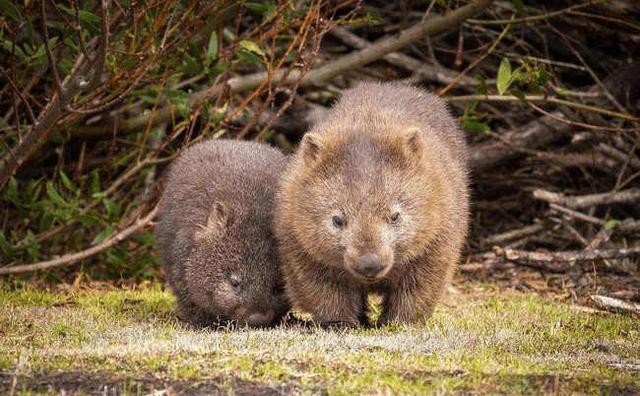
375	199
215	233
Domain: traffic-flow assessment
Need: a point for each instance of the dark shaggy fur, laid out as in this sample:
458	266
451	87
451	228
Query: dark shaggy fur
374	200
214	233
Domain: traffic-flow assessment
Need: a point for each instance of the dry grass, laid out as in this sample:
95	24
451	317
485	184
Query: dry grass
481	340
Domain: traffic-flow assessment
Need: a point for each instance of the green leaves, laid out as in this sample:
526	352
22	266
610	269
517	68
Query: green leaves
88	20
251	47
55	196
180	99
102	236
474	124
66	182
472	121
611	224
11	10
504	79
264	9
529	77
10	192
212	48
250	52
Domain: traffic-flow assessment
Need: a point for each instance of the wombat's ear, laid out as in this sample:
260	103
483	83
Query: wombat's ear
218	219
413	140
310	147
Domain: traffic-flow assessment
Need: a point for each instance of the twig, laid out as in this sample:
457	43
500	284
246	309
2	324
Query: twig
582	201
39	132
542	98
535	17
52	60
615	305
423	70
98	66
563	260
580	124
73	257
619	155
577	215
593	75
514	234
536	133
20	95
476	61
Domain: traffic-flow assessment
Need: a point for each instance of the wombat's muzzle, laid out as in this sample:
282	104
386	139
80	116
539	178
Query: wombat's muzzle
257	318
368	265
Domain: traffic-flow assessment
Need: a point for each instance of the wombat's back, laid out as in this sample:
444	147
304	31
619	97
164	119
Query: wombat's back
389	105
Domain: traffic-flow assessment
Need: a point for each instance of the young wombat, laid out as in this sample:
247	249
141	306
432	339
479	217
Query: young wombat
374	200
215	233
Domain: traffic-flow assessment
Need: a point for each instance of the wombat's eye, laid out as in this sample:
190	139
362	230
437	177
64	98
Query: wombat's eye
235	282
394	218
339	221
278	289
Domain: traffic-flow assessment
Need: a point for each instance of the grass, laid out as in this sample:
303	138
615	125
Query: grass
478	341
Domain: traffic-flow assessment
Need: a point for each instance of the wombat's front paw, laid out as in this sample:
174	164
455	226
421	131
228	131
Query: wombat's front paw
338	324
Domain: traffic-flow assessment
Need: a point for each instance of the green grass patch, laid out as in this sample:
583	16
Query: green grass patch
508	343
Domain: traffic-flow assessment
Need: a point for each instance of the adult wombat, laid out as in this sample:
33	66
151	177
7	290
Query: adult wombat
374	200
214	233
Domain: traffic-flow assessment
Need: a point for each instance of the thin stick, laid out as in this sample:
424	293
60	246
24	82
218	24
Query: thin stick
570	256
535	18
475	62
541	98
514	234
615	305
577	215
582	201
425	71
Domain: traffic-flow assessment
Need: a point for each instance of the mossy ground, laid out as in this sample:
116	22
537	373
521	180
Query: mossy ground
480	340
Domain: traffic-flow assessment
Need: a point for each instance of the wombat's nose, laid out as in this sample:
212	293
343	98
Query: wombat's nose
260	319
369	265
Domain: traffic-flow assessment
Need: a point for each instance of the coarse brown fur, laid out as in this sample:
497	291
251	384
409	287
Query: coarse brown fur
215	233
381	180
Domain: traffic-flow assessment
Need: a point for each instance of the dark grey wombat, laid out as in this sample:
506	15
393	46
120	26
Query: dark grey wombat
214	233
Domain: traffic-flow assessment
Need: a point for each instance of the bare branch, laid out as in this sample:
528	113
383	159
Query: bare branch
425	71
98	66
536	133
543	99
39	132
624	196
514	234
615	305
52	60
563	260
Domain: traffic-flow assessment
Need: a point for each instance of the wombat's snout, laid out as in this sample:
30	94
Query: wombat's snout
368	265
258	318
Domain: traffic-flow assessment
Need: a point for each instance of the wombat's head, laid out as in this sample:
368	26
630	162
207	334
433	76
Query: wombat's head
366	202
233	271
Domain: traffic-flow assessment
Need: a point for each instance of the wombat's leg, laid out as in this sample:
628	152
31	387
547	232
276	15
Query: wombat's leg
332	304
408	306
195	316
414	299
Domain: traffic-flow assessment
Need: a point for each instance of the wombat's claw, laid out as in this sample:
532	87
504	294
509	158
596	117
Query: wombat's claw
291	321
